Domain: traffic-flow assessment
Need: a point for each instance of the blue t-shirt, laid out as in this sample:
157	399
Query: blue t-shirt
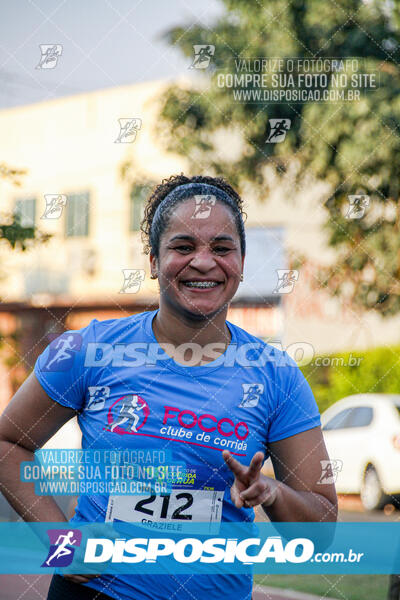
130	394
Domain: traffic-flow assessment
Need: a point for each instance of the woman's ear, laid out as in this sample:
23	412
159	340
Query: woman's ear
153	267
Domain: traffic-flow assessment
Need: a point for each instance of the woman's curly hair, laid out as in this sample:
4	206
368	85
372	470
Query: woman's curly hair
166	186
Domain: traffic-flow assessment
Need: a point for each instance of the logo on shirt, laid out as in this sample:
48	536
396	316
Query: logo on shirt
128	414
62	352
98	396
61	551
251	394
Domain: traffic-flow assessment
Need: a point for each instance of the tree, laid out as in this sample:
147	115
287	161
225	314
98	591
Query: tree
353	145
18	237
11	229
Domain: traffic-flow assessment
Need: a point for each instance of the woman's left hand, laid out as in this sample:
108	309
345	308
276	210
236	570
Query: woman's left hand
250	486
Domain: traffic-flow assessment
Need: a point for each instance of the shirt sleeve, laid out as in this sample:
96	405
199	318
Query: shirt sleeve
296	409
60	368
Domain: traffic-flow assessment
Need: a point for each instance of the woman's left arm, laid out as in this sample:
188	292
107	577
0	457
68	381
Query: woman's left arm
301	493
296	494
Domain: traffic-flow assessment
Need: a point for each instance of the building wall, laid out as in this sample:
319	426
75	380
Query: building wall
68	147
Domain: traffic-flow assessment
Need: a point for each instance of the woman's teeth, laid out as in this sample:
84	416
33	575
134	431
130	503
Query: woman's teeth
201	284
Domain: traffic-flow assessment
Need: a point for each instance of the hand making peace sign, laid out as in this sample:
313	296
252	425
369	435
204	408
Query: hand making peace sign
250	486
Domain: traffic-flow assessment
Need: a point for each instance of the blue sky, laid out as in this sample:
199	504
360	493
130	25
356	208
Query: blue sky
105	43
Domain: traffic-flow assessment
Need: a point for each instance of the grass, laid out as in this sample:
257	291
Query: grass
344	587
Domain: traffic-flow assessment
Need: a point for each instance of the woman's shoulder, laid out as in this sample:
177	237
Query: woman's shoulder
130	326
129	320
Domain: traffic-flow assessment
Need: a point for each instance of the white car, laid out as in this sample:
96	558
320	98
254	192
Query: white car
362	436
68	436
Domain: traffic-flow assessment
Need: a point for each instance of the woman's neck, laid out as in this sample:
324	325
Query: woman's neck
171	328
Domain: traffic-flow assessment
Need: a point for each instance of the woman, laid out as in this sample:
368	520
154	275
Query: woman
238	399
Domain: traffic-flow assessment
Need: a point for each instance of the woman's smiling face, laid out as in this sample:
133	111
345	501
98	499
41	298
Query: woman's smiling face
200	261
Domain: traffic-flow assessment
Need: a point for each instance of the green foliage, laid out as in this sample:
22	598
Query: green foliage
19	236
349	587
378	371
11	229
352	145
15	234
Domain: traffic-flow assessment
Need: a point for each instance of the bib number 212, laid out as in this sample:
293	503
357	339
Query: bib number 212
174	511
179	505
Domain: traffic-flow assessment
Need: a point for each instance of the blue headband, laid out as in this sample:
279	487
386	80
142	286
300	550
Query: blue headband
188	190
191	189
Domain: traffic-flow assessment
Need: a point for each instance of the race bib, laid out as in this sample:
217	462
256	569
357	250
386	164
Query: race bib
174	511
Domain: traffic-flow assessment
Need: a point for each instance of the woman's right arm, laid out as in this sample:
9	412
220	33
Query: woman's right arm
29	420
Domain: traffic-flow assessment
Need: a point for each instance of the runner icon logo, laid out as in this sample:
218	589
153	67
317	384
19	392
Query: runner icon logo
202	56
62	352
278	129
203	206
61	551
98	397
251	394
50	53
330	470
128	414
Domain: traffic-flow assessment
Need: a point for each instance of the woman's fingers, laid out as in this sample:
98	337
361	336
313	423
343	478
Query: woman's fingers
234	465
249	478
255	466
262	491
235	496
241	471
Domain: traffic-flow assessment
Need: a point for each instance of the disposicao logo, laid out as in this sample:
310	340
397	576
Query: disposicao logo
190	550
